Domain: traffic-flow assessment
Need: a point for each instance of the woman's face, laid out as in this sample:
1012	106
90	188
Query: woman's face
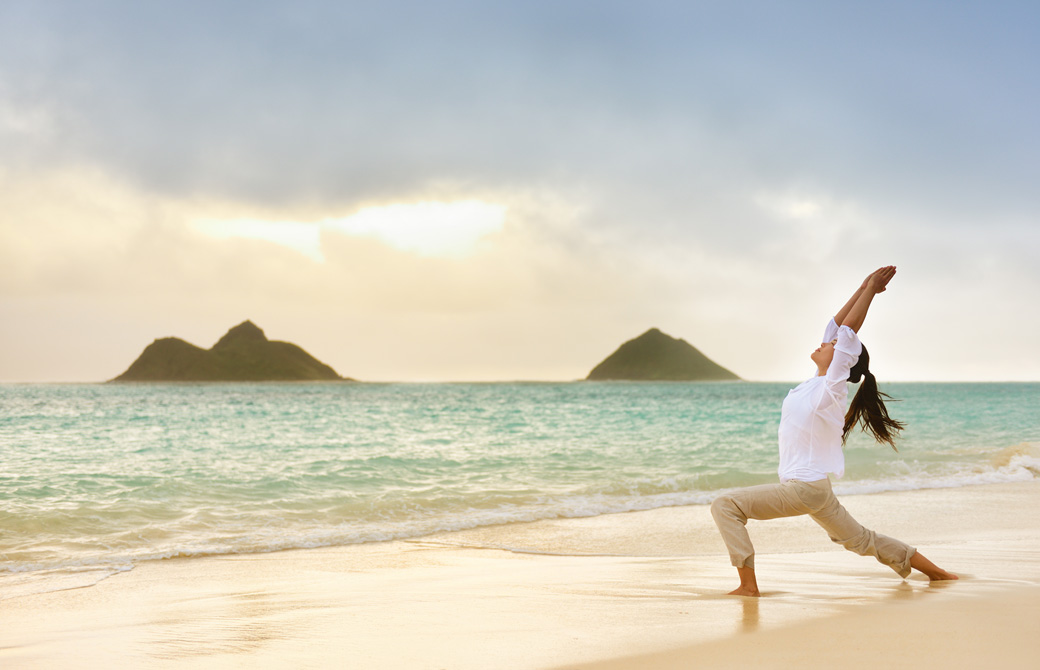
824	354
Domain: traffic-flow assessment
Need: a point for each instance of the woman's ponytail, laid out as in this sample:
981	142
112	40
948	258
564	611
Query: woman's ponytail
869	406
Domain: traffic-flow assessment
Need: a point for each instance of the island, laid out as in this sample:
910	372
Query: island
243	354
655	356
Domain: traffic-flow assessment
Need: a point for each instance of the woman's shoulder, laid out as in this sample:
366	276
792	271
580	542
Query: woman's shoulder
820	393
811	388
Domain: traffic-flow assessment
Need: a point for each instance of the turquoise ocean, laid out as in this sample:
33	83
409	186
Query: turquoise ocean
95	478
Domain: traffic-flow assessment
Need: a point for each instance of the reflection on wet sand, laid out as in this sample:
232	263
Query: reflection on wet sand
228	624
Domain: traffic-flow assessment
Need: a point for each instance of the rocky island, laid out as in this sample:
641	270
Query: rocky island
654	356
243	354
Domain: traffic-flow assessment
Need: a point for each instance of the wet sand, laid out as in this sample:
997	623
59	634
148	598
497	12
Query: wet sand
636	590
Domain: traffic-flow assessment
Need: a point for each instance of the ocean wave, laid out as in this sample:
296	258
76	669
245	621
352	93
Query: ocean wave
1019	463
1014	464
270	539
1026	455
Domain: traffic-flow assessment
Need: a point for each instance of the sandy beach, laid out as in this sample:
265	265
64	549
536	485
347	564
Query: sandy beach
635	590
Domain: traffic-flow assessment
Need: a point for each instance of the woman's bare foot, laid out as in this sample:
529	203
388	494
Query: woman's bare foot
748	583
931	570
940	575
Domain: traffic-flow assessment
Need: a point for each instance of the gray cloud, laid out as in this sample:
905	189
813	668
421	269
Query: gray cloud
930	106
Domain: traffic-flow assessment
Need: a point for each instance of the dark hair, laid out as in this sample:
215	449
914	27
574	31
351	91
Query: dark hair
869	406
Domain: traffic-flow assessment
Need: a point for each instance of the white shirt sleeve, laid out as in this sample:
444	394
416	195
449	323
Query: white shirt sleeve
846	354
830	332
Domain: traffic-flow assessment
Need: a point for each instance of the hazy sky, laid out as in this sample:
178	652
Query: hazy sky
491	191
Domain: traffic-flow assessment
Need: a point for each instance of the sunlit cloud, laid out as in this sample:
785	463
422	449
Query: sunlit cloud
446	229
427	228
790	206
302	237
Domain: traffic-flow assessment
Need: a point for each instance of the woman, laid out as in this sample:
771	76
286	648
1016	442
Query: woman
813	429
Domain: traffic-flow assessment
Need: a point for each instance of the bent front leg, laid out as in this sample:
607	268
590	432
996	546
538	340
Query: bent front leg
731	512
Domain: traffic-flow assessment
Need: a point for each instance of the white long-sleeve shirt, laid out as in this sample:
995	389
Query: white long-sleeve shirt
813	415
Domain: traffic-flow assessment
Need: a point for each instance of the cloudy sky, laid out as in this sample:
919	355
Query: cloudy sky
510	190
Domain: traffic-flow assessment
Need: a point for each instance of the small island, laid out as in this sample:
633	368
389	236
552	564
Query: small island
654	356
244	354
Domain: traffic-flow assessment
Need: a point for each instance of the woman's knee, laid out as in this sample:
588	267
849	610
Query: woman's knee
719	504
724	507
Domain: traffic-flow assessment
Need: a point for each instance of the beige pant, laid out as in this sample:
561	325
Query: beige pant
793	498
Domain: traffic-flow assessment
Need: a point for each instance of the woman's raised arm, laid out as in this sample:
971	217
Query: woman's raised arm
855	310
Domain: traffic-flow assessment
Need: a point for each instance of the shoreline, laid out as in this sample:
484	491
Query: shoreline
845	489
541	594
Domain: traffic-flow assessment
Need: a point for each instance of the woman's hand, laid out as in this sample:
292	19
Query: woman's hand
878	280
855	310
